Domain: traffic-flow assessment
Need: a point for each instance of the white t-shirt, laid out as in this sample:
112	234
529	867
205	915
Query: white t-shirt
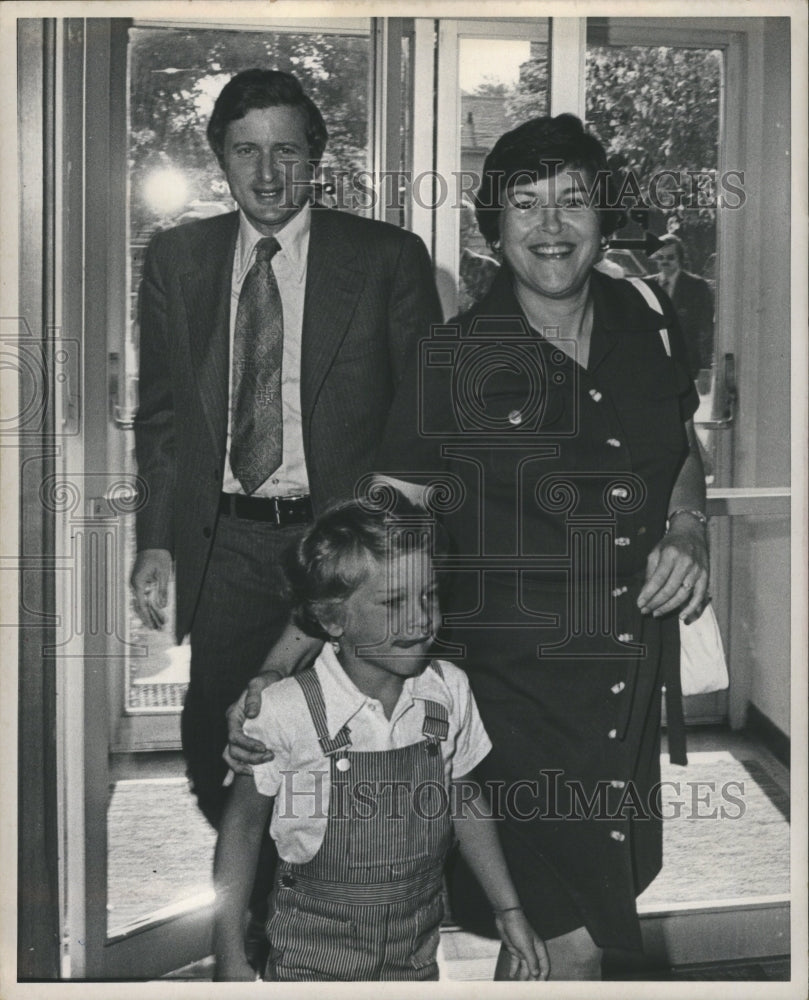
299	776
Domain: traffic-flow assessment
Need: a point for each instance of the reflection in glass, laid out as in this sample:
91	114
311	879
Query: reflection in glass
502	83
175	77
657	109
160	848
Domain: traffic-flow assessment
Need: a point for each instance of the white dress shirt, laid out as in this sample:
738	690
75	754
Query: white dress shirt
289	268
299	778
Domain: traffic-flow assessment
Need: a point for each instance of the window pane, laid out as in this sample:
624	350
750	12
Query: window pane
175	75
503	82
656	109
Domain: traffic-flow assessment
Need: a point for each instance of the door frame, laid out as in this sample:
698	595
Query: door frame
91	92
93	197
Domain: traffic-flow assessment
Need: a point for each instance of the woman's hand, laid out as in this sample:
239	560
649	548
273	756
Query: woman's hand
677	570
529	956
242	751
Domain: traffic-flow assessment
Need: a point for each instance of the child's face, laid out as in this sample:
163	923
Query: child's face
391	619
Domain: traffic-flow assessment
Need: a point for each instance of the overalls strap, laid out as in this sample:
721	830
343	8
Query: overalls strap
436	722
313	693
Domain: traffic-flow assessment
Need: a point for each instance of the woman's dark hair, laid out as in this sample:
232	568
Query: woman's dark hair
334	555
539	149
265	88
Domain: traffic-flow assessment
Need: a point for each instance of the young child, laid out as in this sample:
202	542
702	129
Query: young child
368	744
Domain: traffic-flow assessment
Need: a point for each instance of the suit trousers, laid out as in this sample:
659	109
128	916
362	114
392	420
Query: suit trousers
242	611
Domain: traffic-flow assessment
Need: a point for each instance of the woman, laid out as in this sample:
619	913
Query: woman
557	416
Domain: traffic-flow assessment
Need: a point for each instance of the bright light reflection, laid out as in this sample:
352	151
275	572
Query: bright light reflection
165	190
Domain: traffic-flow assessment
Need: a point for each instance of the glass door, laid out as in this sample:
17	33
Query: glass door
658	110
147	850
492	74
667	101
677	108
135	158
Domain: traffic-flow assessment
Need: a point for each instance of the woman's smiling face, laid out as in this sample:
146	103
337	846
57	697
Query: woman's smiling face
549	236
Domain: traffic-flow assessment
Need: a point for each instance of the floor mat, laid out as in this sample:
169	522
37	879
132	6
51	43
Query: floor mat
726	834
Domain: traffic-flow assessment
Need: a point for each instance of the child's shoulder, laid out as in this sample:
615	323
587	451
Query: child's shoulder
282	718
452	676
282	697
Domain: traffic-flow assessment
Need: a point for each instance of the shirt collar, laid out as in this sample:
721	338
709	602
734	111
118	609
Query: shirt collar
293	238
344	699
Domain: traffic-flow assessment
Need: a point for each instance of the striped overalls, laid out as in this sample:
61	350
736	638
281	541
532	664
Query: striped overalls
368	905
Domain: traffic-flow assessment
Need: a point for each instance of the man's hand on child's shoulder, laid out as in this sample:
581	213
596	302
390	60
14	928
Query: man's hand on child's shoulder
242	752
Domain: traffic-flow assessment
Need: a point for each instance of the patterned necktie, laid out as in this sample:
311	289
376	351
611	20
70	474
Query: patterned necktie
256	427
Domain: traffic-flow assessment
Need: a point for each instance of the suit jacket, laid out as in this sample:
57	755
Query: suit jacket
369	298
693	303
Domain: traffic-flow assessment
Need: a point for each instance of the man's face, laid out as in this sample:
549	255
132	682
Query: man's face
266	164
668	261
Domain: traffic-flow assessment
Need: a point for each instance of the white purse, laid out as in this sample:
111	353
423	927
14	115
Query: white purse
703	668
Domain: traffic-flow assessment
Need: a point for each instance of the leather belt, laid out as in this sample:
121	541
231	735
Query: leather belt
280	511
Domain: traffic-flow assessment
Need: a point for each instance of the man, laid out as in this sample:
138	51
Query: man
693	301
272	340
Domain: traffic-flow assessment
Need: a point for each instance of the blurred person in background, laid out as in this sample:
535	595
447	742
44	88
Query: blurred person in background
693	302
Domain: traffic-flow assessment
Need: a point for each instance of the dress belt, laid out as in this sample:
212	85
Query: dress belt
359	893
280	511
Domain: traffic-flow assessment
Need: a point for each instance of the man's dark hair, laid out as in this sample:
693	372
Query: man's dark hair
670	240
265	88
534	151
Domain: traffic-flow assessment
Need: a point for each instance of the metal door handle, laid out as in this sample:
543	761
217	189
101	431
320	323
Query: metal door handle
119	391
731	394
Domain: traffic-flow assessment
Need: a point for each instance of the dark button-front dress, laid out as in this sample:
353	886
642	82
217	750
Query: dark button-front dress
553	481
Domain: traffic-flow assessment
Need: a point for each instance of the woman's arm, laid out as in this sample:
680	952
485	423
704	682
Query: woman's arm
677	570
294	651
480	847
246	816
